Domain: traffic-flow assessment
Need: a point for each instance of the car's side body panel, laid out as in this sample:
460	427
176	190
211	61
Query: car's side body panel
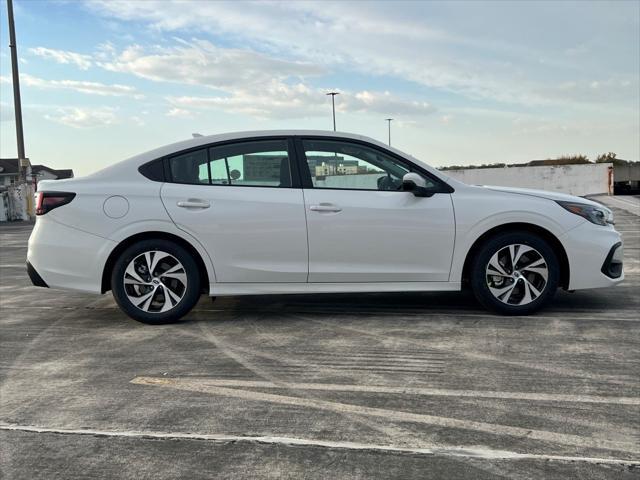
379	236
252	234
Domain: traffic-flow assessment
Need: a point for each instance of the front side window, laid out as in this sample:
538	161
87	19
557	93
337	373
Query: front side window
344	165
263	163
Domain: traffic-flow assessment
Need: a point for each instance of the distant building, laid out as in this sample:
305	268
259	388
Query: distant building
261	167
10	174
8	171
42	172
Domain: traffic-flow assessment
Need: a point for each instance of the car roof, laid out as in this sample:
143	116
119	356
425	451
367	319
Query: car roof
120	168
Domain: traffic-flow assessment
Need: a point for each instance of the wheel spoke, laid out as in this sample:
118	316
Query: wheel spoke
147	261
518	251
168	304
542	271
530	293
495	265
182	277
157	256
144	302
534	263
172	294
131	271
503	293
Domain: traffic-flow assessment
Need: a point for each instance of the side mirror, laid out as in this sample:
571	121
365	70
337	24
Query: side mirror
414	183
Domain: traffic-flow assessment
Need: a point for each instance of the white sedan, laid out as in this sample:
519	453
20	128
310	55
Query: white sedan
278	212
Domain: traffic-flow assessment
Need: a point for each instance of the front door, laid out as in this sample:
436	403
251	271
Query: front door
239	200
362	227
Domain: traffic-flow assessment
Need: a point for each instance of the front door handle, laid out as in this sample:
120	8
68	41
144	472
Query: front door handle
194	203
325	207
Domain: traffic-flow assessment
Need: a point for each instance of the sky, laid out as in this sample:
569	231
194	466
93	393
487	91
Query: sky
465	82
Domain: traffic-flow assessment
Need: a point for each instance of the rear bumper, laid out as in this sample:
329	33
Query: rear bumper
36	279
595	256
60	256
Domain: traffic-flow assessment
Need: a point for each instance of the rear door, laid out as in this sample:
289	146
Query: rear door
362	227
243	202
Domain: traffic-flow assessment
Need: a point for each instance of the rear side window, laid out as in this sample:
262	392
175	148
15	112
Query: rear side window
261	163
153	170
190	168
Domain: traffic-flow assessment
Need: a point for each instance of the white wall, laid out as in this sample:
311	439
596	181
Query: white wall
573	179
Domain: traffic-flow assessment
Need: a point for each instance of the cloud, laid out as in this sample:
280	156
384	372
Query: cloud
249	83
83	62
428	44
92	88
202	63
179	113
77	117
281	100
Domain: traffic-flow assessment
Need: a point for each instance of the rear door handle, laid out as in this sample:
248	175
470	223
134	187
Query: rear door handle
194	203
325	207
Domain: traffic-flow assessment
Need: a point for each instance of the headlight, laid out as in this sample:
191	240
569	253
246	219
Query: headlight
597	215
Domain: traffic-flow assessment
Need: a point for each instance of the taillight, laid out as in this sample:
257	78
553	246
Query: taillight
47	201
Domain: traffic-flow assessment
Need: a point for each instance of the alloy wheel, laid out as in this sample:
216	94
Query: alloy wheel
155	281
517	274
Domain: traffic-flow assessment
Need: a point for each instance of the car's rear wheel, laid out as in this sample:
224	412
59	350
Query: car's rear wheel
515	273
155	281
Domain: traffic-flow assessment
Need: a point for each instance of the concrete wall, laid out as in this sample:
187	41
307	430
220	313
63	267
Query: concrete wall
573	179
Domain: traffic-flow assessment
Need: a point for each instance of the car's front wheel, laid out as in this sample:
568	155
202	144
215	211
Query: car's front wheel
155	281
515	273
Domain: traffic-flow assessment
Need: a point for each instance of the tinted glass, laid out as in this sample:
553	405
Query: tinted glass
263	163
190	168
342	164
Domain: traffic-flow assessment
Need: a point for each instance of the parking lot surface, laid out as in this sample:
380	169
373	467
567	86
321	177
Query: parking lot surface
330	386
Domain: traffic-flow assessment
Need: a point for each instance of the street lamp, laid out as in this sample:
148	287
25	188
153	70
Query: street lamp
333	106
389	120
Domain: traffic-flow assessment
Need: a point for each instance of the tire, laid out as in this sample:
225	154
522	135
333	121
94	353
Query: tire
165	294
515	291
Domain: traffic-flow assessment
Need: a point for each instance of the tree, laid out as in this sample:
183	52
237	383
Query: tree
606	158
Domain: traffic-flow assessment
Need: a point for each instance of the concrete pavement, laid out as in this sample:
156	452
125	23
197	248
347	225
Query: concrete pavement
330	386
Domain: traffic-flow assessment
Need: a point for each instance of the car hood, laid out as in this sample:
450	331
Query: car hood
555	196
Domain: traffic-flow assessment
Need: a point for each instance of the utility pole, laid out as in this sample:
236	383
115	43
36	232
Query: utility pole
17	106
333	106
389	120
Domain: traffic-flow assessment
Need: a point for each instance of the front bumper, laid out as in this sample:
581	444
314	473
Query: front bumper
612	266
595	256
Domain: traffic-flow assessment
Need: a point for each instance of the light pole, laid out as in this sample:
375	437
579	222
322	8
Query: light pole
17	106
389	120
333	106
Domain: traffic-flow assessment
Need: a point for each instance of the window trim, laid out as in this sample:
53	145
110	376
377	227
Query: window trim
307	182
294	170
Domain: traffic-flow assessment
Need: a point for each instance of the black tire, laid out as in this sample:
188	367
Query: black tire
482	282
189	293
